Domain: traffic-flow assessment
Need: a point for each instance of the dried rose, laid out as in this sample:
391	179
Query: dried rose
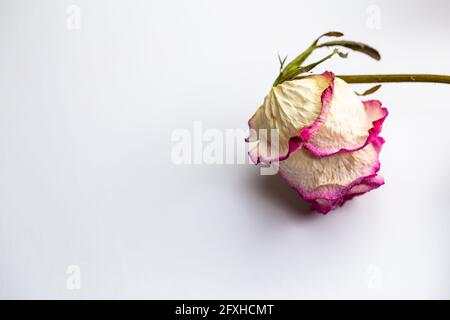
328	139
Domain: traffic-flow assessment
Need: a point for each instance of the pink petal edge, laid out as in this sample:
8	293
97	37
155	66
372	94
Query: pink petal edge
377	126
297	142
324	202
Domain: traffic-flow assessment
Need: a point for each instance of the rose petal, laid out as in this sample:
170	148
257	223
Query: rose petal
327	182
297	108
350	124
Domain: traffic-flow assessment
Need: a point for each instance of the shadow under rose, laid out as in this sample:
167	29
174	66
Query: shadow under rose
279	192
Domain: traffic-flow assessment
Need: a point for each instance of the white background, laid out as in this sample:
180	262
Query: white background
86	176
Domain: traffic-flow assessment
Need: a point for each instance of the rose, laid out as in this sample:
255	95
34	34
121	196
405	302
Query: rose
329	143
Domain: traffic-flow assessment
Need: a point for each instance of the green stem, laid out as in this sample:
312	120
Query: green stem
379	78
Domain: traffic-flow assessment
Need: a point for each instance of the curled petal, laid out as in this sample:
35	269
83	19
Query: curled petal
327	182
296	109
350	125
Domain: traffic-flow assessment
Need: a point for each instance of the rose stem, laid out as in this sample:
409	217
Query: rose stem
377	78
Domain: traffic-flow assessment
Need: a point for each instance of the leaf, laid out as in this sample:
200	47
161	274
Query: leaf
295	68
353	45
295	72
282	61
335	34
314	64
370	90
297	62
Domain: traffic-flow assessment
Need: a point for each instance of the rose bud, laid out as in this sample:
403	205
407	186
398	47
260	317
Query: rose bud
328	139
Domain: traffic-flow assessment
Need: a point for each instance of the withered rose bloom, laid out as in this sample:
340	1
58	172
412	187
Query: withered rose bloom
329	144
